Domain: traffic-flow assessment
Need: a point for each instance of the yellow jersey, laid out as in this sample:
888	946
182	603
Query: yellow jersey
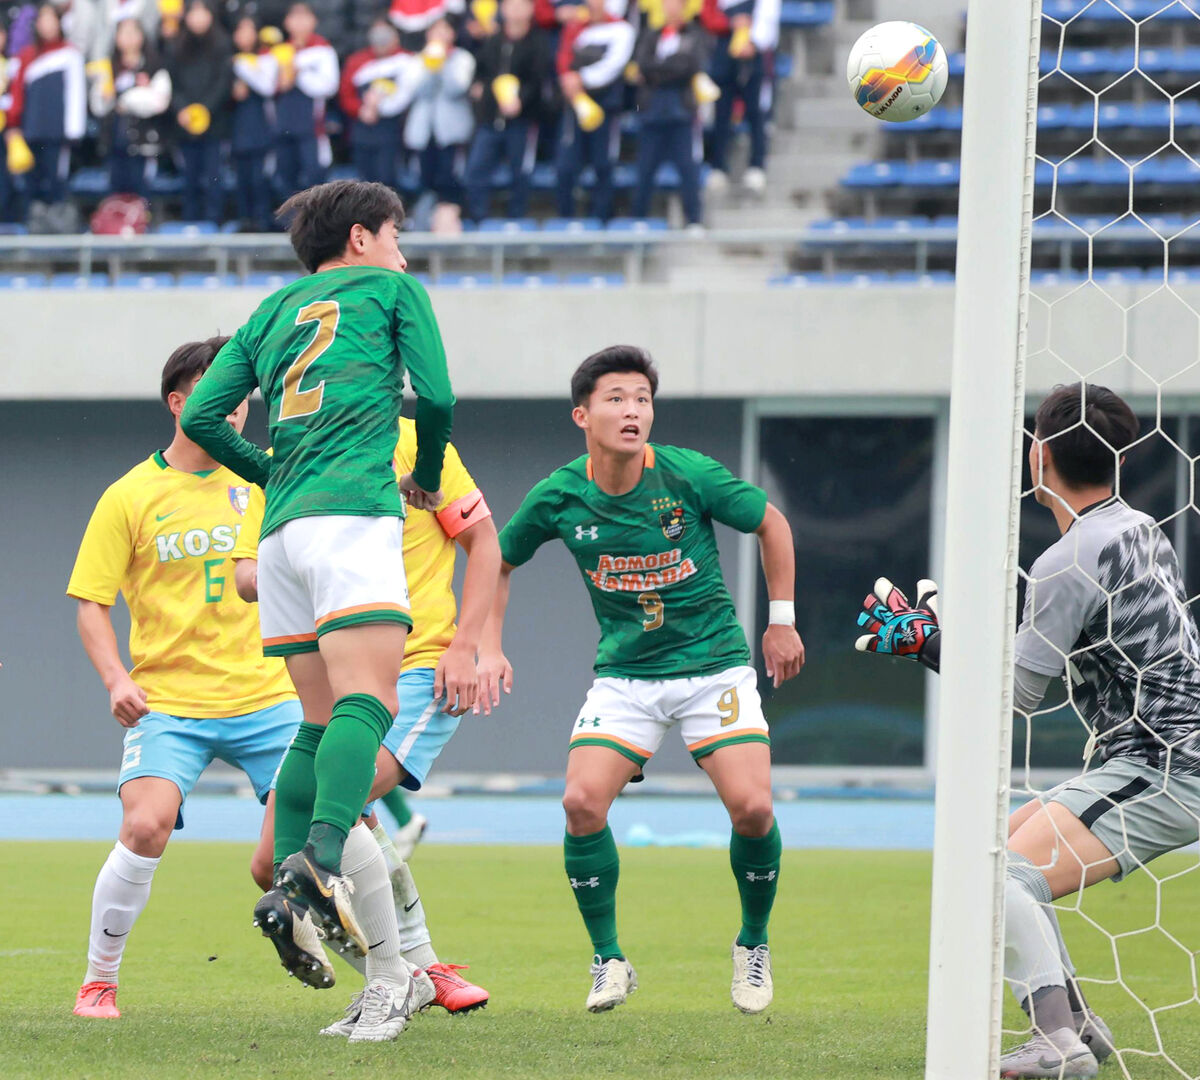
164	539
429	549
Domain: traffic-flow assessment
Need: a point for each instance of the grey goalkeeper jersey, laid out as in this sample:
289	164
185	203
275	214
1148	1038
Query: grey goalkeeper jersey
1105	608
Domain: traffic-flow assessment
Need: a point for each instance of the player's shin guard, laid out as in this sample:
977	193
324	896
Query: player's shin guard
755	862
295	789
122	889
1032	961
345	770
363	864
593	868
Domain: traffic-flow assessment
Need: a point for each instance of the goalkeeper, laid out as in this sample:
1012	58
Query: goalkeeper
1106	610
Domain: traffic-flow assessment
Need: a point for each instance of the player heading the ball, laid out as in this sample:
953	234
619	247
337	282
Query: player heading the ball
329	353
1107	611
638	518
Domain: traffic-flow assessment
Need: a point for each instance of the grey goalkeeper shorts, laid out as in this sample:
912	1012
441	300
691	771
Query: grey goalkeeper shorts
1136	811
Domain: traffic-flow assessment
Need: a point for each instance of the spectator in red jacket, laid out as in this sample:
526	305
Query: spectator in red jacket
592	55
510	74
49	105
374	92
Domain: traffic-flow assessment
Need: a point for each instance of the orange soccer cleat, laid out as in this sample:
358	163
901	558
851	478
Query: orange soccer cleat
454	993
97	1001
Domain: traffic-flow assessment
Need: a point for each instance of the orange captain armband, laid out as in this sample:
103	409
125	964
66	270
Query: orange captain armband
463	513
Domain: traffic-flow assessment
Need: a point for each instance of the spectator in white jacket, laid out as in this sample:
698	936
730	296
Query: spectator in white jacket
129	96
441	118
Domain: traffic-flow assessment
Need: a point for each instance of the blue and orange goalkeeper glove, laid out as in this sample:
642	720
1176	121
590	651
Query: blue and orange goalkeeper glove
897	628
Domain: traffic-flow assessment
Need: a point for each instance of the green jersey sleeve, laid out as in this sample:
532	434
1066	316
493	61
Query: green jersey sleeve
726	498
531	526
424	356
222	389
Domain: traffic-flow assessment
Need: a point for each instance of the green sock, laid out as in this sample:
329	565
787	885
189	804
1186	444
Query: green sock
755	862
593	867
345	770
397	806
295	790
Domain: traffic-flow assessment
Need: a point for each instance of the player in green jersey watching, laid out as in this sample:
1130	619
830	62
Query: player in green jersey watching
639	520
329	353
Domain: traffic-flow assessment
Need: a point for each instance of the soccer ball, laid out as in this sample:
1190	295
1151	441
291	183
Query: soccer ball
897	71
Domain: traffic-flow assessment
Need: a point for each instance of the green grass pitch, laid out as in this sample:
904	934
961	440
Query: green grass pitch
203	995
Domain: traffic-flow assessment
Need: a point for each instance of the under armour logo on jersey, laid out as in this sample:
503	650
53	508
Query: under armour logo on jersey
590	533
752	876
590	883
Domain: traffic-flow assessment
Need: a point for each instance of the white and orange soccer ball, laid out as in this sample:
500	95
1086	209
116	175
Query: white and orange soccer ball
897	71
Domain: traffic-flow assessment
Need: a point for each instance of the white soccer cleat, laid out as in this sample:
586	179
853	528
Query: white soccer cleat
424	992
1095	1035
407	837
1059	1054
345	1026
385	1009
752	988
612	982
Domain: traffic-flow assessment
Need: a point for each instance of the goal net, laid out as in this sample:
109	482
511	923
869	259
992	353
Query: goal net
1077	222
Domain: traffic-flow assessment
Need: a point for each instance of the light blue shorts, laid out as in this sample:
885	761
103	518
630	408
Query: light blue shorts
421	730
179	748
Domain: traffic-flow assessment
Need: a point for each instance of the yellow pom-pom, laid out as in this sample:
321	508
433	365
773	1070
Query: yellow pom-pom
270	36
704	89
285	54
20	157
507	89
587	112
196	119
484	13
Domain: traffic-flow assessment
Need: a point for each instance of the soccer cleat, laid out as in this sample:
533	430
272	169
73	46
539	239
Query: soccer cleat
407	837
1095	1035
453	992
97	1001
289	927
752	987
385	1009
327	897
612	982
1059	1054
345	1026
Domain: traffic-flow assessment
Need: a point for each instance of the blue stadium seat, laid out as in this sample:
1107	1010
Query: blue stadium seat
595	281
572	225
22	281
637	225
262	280
188	228
1118	11
9	228
544	176
79	281
529	281
93	182
884	174
1117	61
806	13
145	281
508	225
465	281
165	184
208	281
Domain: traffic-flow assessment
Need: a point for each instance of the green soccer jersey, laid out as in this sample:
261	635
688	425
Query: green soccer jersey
329	353
649	559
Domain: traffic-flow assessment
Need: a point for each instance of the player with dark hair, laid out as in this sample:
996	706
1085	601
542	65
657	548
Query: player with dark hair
1105	610
329	353
163	536
638	518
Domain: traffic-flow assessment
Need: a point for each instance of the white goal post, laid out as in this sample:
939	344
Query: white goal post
982	514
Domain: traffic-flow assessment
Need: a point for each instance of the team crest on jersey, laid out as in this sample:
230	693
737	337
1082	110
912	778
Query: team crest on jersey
673	523
239	497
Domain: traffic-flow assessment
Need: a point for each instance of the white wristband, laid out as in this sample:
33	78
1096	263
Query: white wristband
783	613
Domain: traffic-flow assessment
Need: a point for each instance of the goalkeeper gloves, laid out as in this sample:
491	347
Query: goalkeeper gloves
898	628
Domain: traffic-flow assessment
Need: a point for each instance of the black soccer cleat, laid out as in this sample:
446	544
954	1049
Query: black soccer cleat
285	924
327	897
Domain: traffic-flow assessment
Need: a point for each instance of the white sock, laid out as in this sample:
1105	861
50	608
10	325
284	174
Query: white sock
1032	962
363	864
122	889
415	939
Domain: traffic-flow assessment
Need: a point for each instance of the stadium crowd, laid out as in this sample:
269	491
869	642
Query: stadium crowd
433	96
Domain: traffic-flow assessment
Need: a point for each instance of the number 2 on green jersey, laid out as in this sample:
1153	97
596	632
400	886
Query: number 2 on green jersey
297	402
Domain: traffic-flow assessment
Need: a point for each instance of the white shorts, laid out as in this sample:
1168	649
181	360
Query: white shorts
317	574
631	716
